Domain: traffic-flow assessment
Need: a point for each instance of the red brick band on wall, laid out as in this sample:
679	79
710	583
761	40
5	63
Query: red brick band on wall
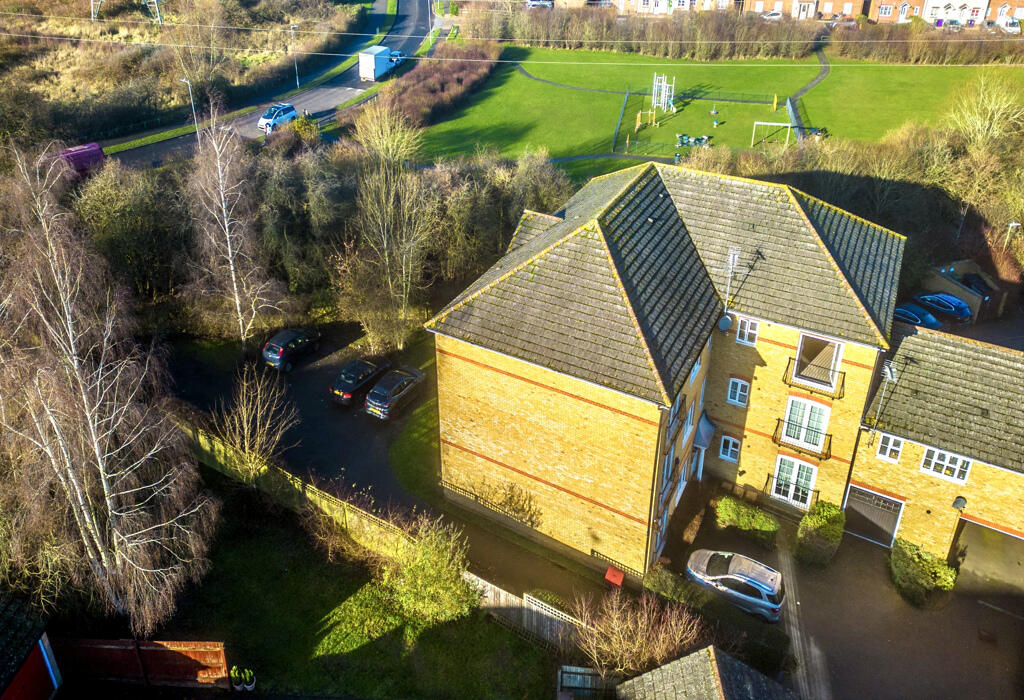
750	431
883	492
544	481
548	387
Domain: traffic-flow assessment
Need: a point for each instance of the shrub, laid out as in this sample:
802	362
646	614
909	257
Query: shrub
761	645
755	523
919	575
820	532
916	42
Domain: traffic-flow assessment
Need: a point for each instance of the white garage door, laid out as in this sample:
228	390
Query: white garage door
872	516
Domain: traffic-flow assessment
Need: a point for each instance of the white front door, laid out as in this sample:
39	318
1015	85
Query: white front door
904	8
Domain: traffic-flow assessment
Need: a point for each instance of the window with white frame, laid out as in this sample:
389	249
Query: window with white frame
729	450
739	392
695	370
805	423
666	468
827	9
847	8
794	481
975	11
946	465
885	11
933	12
917	10
817	361
889	448
673	415
688	425
746	332
778	6
759	6
700	397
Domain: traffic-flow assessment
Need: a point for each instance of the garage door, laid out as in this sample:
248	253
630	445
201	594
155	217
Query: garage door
871	516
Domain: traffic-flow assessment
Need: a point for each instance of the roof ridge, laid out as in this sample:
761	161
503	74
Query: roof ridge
508	273
658	379
642	169
848	213
722	176
835	265
619	171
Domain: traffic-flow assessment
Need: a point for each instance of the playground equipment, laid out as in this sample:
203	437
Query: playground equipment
772	129
663	94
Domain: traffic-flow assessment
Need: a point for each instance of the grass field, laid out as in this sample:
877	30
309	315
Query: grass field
308	627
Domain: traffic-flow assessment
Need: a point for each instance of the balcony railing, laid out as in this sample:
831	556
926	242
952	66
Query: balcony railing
803	439
789	492
818	380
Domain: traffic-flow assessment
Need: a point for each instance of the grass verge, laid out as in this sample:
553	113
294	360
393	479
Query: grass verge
311	627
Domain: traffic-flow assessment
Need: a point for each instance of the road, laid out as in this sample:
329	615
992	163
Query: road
412	22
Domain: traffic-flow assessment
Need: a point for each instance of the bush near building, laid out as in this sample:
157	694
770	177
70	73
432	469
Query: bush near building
919	575
820	532
751	521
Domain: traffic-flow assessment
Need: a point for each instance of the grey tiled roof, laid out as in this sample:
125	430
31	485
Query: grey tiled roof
703	675
625	287
956	394
786	272
21	626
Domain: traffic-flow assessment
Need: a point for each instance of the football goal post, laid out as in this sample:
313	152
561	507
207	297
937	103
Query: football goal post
769	132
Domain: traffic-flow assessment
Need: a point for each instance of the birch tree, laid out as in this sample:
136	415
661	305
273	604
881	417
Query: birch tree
85	422
225	265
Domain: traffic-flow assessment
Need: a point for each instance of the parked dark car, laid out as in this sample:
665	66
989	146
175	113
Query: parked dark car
945	305
356	379
977	284
744	582
916	316
395	390
285	348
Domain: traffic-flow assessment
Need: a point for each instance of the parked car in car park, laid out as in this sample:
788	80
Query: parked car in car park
285	348
746	583
945	305
356	380
773	16
916	315
395	390
277	115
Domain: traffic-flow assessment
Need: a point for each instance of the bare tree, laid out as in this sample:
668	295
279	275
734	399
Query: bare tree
255	423
226	264
384	130
86	424
989	112
627	636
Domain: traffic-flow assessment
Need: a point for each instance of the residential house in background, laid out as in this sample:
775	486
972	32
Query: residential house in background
28	669
595	372
896	11
940	457
967	12
797	9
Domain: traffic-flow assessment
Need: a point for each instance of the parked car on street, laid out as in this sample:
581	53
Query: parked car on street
1009	25
773	16
288	346
945	305
916	315
845	22
356	379
395	390
540	3
277	116
744	582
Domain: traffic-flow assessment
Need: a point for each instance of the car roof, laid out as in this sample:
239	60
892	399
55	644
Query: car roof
285	336
754	571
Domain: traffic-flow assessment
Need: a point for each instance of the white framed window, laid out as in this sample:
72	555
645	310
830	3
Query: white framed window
917	10
746	332
806	422
847	8
817	361
975	11
676	405
778	6
688	425
885	10
794	481
889	448
759	6
946	465
666	468
933	12
729	450
695	370
739	392
700	397
827	9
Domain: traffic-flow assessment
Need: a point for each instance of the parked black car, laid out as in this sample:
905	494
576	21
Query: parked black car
395	390
356	379
945	305
288	346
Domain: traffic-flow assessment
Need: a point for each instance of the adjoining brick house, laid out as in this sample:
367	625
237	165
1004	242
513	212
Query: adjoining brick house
945	424
896	11
797	9
582	384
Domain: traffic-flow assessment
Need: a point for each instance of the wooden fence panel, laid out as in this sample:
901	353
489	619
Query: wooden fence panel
529	615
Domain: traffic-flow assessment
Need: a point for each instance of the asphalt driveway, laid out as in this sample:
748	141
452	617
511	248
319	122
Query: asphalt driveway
855	637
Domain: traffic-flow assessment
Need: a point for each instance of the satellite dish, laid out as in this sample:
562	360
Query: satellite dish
725	323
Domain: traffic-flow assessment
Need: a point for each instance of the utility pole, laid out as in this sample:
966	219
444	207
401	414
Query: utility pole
194	119
295	59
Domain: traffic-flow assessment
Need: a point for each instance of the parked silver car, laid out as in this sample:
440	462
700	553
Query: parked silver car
744	582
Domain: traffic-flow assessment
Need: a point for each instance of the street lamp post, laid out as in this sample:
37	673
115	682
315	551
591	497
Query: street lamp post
1009	232
193	102
295	59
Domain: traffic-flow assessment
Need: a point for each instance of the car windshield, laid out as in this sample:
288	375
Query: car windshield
269	114
718	564
776	598
379	394
356	372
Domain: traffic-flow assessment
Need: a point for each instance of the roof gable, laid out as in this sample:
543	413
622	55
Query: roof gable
956	394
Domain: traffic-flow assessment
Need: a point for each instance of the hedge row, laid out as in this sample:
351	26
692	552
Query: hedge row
435	87
919	576
917	42
820	532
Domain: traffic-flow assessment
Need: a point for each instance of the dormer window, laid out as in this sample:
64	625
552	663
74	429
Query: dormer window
817	361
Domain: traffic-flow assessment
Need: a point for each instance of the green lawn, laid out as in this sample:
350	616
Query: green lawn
863	100
580	171
310	627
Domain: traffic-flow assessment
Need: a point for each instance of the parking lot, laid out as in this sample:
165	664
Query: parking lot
855	637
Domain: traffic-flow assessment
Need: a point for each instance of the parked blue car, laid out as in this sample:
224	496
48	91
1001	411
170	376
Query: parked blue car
916	316
945	305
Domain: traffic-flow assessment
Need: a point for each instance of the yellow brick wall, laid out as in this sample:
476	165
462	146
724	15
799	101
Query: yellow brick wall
995	496
585	454
764	366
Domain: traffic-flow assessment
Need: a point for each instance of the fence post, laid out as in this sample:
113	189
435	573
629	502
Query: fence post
142	664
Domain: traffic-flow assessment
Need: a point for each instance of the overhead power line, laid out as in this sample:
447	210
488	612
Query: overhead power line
323	32
673	64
